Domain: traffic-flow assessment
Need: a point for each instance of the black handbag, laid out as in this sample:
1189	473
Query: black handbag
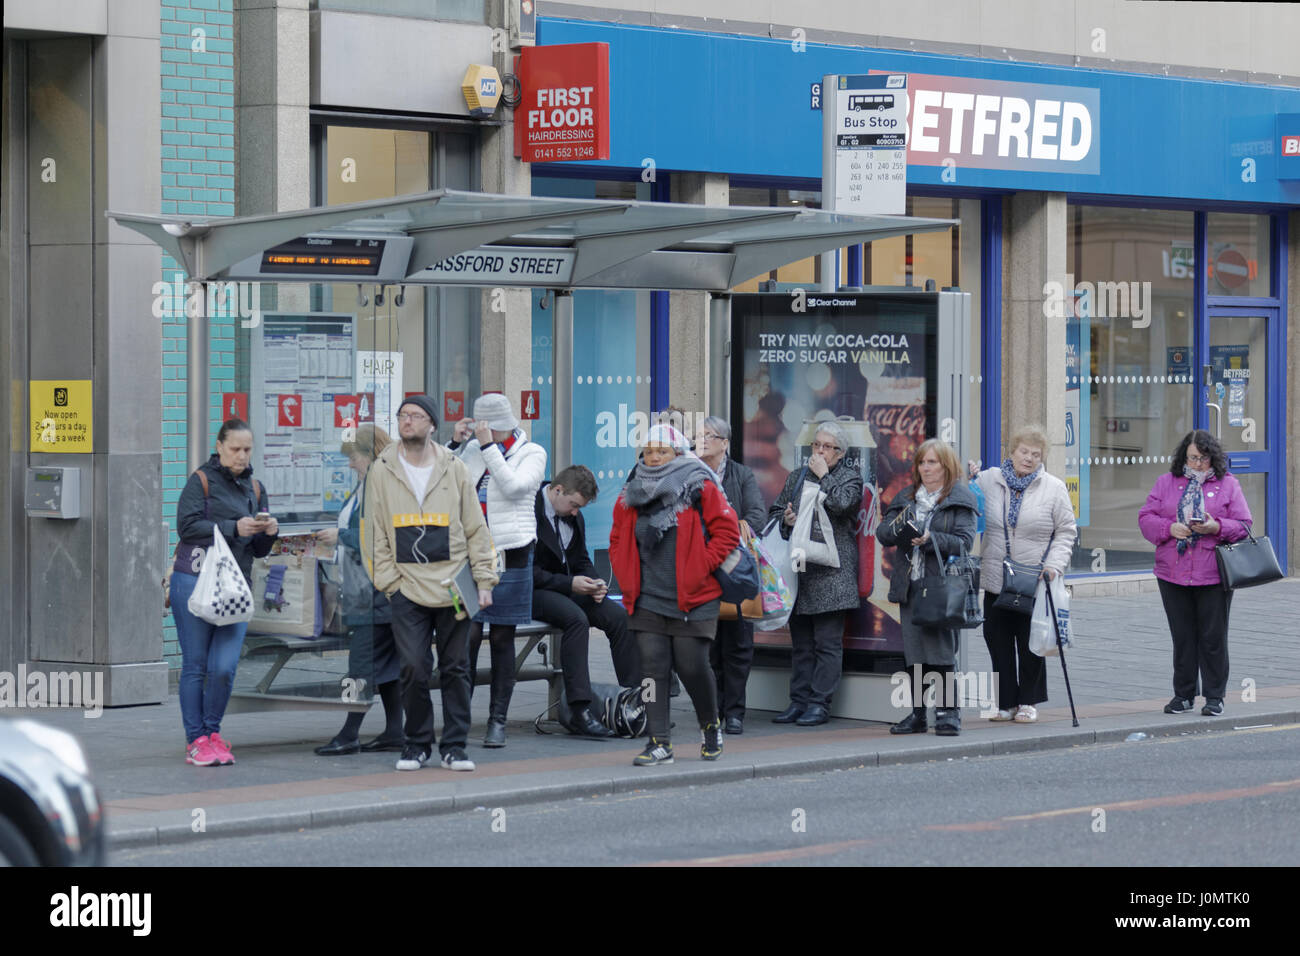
737	575
1019	580
1245	564
949	599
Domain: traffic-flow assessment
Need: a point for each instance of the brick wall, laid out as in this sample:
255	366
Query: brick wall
198	178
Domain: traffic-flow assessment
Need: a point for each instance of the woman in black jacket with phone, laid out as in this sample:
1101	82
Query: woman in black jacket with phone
222	494
936	510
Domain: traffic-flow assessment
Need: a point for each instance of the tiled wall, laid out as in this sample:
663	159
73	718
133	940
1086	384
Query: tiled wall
198	178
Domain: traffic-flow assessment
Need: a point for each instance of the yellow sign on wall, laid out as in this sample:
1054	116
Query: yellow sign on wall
61	416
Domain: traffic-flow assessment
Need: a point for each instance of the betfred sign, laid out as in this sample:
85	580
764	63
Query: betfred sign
564	116
1291	145
994	124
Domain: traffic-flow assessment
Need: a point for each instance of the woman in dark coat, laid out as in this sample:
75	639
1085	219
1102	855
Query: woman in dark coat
825	593
945	512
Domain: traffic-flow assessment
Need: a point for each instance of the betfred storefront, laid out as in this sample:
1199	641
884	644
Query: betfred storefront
1087	199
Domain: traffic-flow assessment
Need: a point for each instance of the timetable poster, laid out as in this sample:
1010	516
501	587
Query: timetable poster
306	360
866	361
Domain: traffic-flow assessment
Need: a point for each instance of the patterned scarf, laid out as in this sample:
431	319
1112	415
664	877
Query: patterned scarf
1192	503
1017	486
665	492
925	505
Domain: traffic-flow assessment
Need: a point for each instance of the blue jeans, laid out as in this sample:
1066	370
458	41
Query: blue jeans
209	656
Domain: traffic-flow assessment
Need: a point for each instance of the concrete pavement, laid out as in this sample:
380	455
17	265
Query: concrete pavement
1119	669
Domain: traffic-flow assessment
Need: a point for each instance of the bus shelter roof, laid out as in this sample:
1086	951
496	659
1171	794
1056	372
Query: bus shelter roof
590	243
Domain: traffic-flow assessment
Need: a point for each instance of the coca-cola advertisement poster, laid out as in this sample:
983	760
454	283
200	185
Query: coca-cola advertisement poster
867	361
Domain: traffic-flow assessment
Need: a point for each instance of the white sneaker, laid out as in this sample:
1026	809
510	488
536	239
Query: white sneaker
457	759
413	758
1004	715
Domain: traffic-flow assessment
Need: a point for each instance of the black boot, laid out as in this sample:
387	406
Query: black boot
393	737
947	721
913	723
503	687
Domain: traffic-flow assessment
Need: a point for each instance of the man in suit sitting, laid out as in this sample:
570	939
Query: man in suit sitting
568	594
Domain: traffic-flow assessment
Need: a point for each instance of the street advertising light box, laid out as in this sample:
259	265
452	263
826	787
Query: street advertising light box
869	361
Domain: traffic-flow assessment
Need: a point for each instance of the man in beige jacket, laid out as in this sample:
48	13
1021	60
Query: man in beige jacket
422	523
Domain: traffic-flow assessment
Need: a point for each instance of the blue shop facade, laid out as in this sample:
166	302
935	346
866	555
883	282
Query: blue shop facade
1170	204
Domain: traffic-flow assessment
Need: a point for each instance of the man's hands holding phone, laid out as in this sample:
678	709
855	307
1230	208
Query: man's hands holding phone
590	587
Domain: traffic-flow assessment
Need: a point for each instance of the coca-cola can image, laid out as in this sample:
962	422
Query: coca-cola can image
860	455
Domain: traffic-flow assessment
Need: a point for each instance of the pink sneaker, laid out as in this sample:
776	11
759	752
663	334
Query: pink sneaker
221	750
201	754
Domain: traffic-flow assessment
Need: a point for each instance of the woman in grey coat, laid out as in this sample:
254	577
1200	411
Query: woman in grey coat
936	510
825	593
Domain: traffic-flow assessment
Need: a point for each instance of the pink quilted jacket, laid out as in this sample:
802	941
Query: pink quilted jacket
1224	502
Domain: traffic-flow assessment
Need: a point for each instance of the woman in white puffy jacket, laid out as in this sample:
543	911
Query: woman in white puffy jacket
507	469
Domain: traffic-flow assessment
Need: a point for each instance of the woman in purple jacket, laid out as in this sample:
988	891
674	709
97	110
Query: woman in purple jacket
1195	507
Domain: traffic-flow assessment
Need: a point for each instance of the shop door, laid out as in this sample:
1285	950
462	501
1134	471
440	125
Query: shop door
1240	375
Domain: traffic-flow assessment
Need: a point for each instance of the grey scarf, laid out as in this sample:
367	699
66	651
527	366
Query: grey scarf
665	492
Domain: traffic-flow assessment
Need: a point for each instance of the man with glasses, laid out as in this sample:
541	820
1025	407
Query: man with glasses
732	652
422	523
568	593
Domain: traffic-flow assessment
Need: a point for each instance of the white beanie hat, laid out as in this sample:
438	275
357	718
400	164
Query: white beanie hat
494	410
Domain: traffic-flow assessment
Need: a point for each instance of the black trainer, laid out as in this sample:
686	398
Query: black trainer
413	757
711	741
1180	706
656	752
1213	707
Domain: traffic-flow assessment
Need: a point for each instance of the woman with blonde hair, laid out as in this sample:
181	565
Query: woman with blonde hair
372	655
1028	518
937	512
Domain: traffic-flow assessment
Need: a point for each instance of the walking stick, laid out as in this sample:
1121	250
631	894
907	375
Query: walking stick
1060	647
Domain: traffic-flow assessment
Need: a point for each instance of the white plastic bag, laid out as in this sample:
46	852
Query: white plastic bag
815	552
1043	631
221	596
777	551
1061	599
1042	635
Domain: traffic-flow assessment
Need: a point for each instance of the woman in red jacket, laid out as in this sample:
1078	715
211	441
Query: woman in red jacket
1192	509
664	557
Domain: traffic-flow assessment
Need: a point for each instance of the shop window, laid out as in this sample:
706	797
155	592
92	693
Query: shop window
1129	383
1240	253
804	271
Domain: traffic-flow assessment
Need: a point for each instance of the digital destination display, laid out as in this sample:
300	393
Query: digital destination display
325	256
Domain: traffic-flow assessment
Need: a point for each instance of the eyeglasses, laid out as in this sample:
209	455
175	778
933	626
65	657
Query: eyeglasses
1198	458
824	446
709	436
412	417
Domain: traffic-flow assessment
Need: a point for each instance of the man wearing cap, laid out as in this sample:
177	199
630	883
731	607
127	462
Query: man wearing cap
422	523
505	468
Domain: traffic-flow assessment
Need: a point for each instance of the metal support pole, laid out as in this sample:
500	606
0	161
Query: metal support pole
196	376
562	358
720	355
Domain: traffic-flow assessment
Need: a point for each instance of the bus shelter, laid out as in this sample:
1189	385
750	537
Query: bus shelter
446	239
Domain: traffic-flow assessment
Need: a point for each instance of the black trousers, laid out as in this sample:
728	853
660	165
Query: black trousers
1198	623
731	656
415	630
816	657
576	615
689	656
1007	635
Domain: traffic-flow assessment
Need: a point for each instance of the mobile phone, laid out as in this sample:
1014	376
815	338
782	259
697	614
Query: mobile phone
262	516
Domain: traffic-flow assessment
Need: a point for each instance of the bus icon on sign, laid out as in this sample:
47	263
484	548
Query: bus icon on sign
871	101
